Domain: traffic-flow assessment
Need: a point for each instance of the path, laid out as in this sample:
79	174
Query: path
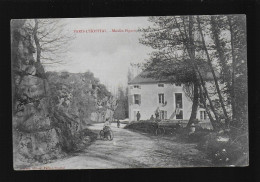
132	150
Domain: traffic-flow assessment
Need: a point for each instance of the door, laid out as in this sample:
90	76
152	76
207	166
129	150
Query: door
135	118
178	106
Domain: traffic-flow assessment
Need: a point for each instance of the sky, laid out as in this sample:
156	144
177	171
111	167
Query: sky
109	54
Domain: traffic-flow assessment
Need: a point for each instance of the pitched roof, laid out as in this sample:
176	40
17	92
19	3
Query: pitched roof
142	78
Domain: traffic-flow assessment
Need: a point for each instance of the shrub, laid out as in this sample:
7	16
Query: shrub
143	126
229	152
84	138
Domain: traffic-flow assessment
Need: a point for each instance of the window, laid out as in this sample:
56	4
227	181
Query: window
163	114
130	99
137	86
161	98
137	99
178	84
203	115
160	85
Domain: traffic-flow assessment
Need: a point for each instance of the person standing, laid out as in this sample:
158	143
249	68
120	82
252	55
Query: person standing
118	123
152	118
106	126
138	116
156	113
177	111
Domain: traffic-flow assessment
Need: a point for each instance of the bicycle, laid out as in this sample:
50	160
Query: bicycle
160	131
168	130
108	134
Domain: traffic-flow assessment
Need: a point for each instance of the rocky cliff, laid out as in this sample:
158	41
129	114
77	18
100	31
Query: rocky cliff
40	132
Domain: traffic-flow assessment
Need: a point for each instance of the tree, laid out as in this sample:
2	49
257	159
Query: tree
51	40
212	70
129	75
187	48
237	28
228	34
174	58
121	112
79	95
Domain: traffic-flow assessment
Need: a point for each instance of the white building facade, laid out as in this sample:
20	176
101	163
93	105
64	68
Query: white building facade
147	95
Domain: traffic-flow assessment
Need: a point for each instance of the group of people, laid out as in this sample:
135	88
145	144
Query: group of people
156	116
177	111
138	116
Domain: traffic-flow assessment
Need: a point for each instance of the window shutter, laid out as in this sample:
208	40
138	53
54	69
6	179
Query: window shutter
140	99
163	98
130	99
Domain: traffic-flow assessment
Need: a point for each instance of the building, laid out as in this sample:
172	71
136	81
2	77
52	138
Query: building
147	95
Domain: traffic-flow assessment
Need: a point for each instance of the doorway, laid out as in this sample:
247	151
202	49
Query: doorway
178	106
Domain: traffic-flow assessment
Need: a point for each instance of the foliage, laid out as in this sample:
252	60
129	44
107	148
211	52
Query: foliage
170	60
211	44
77	94
188	48
233	152
84	138
148	126
121	111
143	126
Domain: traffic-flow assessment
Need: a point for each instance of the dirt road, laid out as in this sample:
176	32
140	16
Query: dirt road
129	149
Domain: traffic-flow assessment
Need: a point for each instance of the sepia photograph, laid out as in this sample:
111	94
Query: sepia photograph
129	92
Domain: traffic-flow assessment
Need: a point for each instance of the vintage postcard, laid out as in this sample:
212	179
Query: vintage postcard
129	92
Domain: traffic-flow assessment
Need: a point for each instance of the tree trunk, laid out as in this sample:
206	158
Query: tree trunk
195	103
207	95
191	49
213	73
37	43
212	121
220	51
233	69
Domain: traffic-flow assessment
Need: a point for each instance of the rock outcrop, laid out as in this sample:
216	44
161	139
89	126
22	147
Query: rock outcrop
81	96
40	133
